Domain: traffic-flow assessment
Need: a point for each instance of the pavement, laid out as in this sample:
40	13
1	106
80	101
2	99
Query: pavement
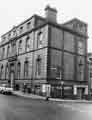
33	96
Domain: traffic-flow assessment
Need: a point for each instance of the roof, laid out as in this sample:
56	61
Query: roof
61	26
75	19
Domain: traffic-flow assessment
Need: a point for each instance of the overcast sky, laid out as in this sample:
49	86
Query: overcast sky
12	12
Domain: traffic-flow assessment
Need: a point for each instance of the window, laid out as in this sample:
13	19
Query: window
26	69
90	74
20	46
90	59
14	32
4	38
27	44
3	52
39	40
18	70
28	25
80	47
38	66
58	72
21	29
1	72
81	69
8	50
9	35
6	72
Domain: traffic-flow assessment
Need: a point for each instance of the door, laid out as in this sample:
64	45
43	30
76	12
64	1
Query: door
79	93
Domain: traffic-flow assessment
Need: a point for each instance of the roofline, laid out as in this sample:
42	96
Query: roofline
69	21
51	24
20	24
61	26
68	29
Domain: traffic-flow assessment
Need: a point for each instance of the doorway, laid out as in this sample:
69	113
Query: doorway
80	92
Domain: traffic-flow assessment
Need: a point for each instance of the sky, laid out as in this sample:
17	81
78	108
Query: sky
13	12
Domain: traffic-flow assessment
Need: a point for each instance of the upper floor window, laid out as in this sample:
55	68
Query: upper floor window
18	70
8	50
7	72
28	25
38	65
26	69
90	59
4	38
80	47
9	35
21	29
14	33
58	72
20	46
39	39
3	53
1	72
27	45
90	74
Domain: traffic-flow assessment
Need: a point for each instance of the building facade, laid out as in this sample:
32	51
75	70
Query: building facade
90	72
40	52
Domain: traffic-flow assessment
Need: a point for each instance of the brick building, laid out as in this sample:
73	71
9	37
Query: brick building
40	51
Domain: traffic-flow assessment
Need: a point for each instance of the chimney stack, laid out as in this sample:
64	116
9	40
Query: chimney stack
51	14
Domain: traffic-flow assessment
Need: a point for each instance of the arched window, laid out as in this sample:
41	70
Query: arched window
1	72
20	46
28	25
18	70
8	50
38	65
7	72
3	52
27	43
39	39
26	69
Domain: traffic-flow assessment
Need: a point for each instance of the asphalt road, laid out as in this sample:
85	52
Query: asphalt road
19	108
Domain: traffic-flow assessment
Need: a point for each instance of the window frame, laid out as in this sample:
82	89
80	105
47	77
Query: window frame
38	65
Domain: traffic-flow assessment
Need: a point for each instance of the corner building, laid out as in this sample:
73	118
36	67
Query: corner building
40	51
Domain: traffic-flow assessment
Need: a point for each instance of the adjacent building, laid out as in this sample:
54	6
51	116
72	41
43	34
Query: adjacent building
40	51
90	72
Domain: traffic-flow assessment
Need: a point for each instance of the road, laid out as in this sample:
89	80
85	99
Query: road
19	108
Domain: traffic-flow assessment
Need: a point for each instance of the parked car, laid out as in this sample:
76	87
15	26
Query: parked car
5	89
1	88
